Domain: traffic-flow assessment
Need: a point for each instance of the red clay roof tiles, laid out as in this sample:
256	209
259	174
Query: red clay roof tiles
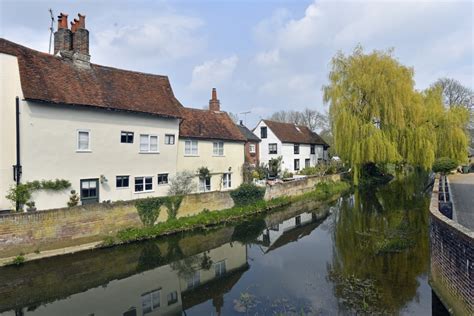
291	133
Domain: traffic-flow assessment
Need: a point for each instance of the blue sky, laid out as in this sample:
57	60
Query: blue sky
262	56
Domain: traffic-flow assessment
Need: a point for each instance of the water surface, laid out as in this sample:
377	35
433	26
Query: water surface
366	253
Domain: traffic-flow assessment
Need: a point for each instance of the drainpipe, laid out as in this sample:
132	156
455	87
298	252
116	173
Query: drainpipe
17	167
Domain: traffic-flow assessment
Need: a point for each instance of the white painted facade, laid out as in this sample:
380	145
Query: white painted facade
230	162
49	146
286	150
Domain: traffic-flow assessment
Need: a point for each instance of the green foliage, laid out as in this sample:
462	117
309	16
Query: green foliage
149	209
172	204
444	165
19	194
208	219
274	166
204	172
182	183
73	199
247	193
287	174
18	260
378	117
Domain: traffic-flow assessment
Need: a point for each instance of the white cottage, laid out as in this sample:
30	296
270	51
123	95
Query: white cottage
298	145
112	133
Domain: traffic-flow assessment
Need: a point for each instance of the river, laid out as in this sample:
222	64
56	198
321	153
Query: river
366	253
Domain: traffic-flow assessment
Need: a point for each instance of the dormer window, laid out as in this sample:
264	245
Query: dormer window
263	132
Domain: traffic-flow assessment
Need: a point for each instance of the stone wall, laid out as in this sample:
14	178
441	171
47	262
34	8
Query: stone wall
66	227
60	228
297	187
452	261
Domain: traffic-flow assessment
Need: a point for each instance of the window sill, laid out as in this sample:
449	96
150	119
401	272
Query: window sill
149	152
122	188
162	184
141	192
191	155
83	151
222	156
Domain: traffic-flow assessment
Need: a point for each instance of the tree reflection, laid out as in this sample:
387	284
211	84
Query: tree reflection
381	236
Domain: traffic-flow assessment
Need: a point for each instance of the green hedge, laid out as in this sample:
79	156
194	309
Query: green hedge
444	165
247	194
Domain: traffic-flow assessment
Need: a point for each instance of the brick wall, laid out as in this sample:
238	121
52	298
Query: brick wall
296	187
452	261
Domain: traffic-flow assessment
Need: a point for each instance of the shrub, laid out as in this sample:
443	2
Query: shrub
149	209
182	183
73	199
444	165
247	194
287	174
274	166
19	194
172	204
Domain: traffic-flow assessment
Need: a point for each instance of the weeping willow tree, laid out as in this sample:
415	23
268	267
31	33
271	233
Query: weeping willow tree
378	117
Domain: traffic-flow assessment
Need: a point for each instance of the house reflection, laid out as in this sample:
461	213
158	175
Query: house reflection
279	233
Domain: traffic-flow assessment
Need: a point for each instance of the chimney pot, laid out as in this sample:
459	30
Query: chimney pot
62	21
214	103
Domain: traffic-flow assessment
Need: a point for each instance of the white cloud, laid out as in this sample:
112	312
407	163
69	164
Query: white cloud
213	72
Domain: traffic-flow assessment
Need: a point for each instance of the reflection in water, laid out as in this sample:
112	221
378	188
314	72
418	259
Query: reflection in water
367	253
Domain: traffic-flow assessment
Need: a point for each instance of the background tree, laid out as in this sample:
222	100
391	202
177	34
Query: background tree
454	93
378	117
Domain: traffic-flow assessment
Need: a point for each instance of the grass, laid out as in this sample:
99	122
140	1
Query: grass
205	219
18	260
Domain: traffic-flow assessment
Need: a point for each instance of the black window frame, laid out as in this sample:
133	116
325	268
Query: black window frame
120	180
296	162
307	163
172	298
173	137
270	151
126	137
263	132
296	149
163	175
313	150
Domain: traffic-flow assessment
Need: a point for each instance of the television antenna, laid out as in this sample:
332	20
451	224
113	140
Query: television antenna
51	29
245	115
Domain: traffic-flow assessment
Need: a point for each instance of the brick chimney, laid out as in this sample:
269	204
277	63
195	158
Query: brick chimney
73	43
214	103
63	36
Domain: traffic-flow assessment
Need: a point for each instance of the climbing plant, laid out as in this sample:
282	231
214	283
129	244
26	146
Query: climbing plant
149	209
172	204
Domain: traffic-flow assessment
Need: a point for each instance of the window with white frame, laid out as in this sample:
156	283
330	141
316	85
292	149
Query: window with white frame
148	143
143	184
169	139
219	268
191	147
162	178
194	280
126	137
205	184
218	148
150	301
122	181
172	297
252	148
272	148
83	140
227	180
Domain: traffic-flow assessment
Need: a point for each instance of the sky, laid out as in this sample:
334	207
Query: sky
262	56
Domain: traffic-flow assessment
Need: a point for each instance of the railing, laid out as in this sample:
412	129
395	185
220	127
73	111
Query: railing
445	205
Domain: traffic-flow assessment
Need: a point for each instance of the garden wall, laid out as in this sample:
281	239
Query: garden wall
452	261
67	227
60	228
297	187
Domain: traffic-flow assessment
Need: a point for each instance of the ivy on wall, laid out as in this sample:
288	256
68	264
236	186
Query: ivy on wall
149	209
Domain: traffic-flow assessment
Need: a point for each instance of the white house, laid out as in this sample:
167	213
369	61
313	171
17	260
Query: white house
296	144
112	133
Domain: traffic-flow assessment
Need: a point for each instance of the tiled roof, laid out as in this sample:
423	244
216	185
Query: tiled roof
53	79
291	133
208	125
248	133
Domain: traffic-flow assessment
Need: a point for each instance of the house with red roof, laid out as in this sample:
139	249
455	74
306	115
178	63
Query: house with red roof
209	139
299	146
114	134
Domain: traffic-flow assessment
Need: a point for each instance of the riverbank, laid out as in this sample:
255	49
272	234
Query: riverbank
203	220
206	219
